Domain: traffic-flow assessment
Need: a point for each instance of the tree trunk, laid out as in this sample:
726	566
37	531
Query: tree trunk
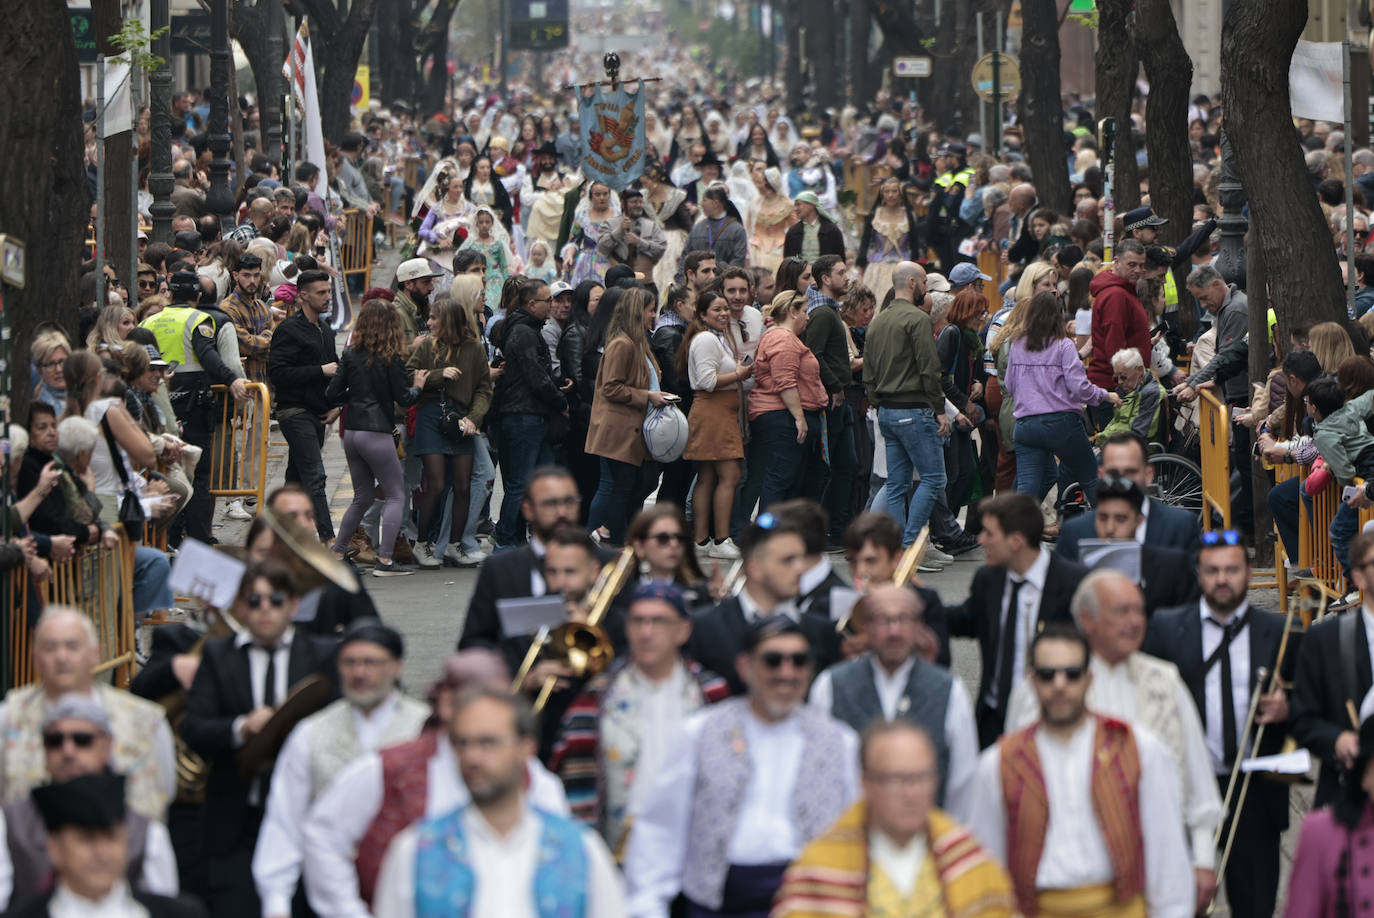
251	27
793	72
860	86
44	195
1117	64
950	100
116	153
1170	72
338	46
394	32
818	15
434	41
1257	42
1039	108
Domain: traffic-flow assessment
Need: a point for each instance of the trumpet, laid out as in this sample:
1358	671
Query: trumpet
583	646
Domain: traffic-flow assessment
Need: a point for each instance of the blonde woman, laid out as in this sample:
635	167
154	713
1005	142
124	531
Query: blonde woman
112	326
1006	327
467	292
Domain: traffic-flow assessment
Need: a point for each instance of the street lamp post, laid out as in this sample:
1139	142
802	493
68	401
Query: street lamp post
160	179
1230	263
220	200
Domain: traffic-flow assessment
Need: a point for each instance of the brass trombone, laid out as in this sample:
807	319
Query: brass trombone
583	646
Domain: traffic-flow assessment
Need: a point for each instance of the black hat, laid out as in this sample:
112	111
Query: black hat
188	240
1141	216
546	148
709	158
374	632
634	191
772	626
90	801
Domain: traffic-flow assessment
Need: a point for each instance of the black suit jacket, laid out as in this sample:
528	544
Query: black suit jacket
817	602
338	607
1175	634
1320	691
156	678
828	237
157	906
221	692
980	616
718	633
1165	527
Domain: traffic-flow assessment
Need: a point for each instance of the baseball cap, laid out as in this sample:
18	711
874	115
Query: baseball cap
937	283
559	287
966	273
414	269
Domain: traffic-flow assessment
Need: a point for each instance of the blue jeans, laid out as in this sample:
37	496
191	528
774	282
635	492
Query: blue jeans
151	573
783	464
524	445
1040	439
1284	505
1344	525
483	473
913	441
620	494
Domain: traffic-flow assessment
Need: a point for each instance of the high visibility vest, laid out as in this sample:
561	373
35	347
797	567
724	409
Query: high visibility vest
962	177
1170	290
173	328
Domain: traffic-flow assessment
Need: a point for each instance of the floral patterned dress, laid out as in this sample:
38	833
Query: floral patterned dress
890	244
586	232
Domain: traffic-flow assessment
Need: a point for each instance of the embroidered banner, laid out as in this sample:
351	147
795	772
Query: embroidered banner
612	128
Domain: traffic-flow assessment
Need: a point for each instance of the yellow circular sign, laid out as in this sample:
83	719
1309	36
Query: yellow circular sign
1009	74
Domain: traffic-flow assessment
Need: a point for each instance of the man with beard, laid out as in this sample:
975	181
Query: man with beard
372	714
1082	809
543	192
748	783
414	284
1224	649
637	240
253	325
499	855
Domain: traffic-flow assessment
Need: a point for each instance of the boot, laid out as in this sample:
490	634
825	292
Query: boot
400	552
360	548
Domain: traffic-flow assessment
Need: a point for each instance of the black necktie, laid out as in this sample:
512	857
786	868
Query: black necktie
1228	701
269	682
1008	648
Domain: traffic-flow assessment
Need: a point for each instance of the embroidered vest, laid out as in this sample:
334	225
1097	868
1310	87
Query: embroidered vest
925	899
334	736
1116	801
724	768
924	702
1156	704
445	885
27	841
405	788
134	723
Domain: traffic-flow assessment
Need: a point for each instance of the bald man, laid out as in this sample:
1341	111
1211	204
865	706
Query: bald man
259	212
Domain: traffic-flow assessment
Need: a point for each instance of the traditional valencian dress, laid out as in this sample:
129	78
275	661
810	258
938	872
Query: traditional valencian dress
889	243
768	220
673	217
589	264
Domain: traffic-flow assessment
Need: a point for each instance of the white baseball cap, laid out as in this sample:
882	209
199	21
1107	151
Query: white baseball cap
558	288
414	269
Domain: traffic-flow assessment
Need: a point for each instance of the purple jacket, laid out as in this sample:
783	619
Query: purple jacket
1050	380
1313	884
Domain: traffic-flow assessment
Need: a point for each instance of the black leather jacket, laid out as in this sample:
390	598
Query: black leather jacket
527	385
666	341
369	394
570	363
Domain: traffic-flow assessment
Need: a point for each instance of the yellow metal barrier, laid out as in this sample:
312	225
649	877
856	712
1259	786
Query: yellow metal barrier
1214	429
356	250
1283	472
97	582
1325	567
238	458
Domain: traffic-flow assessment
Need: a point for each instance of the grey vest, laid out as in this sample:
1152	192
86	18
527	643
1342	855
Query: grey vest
924	703
28	846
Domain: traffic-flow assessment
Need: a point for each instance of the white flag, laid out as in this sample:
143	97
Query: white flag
1316	83
119	100
300	71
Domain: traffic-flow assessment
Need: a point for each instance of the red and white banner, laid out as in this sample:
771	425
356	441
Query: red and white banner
299	71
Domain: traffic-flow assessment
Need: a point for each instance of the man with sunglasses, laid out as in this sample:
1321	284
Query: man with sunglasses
1081	808
747	784
1225	650
1141	689
614	737
241	682
76	742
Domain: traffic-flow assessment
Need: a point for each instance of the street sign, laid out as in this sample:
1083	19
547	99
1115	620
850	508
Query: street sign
913	67
538	25
83	32
190	33
1009	74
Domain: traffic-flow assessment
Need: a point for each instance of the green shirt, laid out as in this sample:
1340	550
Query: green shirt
811	240
901	365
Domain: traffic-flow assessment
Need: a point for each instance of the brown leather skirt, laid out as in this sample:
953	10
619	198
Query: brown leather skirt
713	431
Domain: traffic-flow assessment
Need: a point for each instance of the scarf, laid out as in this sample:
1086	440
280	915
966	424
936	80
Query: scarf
830	877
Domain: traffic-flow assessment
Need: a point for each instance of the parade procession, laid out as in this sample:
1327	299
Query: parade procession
686	459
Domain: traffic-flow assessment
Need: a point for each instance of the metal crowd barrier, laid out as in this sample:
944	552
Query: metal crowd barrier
1214	429
98	581
238	455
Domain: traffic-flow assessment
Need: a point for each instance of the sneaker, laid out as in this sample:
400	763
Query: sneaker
236	510
486	527
962	545
1302	573
1349	601
424	557
726	551
472	558
936	555
391	569
927	567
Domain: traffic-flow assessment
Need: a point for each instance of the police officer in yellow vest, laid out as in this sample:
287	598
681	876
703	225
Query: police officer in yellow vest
186	338
944	228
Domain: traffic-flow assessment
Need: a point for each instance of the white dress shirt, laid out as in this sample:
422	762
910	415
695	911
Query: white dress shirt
961	730
901	864
1144	521
341	815
503	871
1240	684
257	672
159	864
813	577
660	719
537	585
118	903
763	833
279	853
1027	613
751	610
1075	854
1113	694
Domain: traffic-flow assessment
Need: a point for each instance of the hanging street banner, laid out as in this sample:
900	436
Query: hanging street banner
612	128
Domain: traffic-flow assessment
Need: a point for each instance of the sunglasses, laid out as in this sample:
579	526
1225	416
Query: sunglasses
255	600
668	538
81	739
1047	674
1225	537
147	285
773	659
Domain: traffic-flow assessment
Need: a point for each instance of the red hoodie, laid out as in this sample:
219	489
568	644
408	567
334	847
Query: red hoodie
1119	321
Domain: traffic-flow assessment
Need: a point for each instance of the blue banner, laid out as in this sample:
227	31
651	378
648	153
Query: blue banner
612	126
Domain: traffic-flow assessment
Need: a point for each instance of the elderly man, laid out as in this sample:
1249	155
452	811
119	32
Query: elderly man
1141	689
637	239
749	782
355	819
65	651
371	715
76	742
892	682
614	736
895	852
1083	809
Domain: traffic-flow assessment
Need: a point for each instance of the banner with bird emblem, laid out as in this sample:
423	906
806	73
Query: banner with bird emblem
612	134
